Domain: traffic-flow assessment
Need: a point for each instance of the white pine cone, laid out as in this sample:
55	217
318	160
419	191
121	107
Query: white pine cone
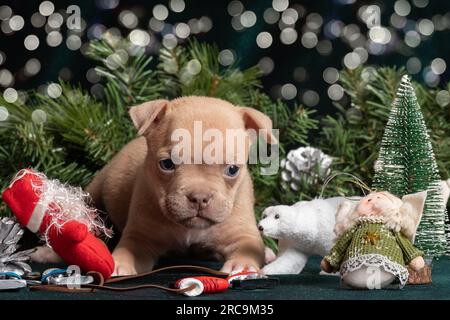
10	259
305	163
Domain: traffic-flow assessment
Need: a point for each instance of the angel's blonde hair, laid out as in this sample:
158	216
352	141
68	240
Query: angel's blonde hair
394	219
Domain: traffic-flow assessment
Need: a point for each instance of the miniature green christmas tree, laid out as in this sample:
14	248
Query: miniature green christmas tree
406	164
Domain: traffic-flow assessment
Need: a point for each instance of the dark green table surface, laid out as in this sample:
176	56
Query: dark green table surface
308	285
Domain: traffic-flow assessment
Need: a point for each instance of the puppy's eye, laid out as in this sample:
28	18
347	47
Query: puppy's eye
231	171
166	164
264	216
277	216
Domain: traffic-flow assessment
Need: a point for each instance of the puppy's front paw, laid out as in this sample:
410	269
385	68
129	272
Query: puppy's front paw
122	268
239	264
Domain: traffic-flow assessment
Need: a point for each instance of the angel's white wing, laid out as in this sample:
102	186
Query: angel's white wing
411	213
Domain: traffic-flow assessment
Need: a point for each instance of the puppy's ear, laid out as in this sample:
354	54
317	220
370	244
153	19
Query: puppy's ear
257	120
148	113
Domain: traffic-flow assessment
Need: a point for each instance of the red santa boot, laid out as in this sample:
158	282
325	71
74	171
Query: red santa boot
44	207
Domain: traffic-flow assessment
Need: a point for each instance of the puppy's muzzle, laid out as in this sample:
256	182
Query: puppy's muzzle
199	200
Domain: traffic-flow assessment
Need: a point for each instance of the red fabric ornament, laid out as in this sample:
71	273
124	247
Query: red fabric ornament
56	213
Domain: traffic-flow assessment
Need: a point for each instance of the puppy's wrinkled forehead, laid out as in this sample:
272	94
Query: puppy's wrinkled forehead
201	120
211	113
209	125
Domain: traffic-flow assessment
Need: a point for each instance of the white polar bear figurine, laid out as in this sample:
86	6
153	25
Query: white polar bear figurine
303	229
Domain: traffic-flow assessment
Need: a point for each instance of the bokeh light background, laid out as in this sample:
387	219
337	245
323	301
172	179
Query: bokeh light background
300	46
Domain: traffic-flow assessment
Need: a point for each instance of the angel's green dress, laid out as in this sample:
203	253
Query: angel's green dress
372	243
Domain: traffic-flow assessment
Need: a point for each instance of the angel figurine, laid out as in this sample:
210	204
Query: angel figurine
375	240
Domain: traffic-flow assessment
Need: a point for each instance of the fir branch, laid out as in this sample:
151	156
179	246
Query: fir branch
294	126
83	124
170	64
126	69
196	71
353	136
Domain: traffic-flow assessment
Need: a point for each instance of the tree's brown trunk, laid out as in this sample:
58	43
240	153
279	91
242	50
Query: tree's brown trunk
420	277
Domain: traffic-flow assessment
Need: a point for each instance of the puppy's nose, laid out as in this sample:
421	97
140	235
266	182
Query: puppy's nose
261	228
201	199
